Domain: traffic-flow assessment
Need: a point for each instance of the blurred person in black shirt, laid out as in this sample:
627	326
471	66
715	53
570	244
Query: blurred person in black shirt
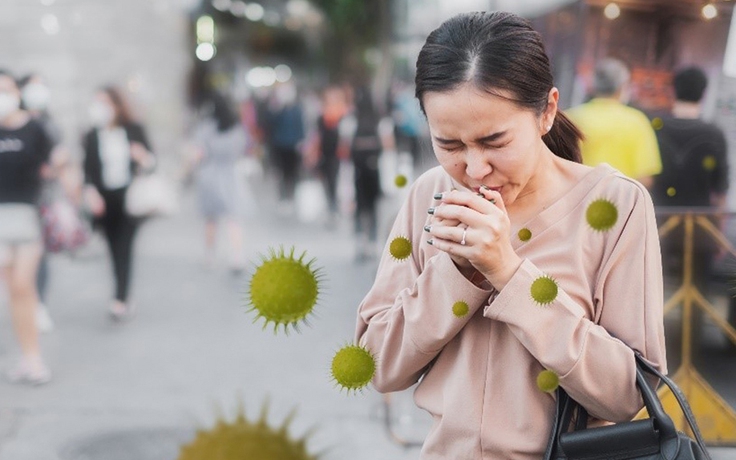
694	153
24	152
694	172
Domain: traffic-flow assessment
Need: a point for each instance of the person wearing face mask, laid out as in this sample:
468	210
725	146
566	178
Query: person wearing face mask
114	149
63	178
24	152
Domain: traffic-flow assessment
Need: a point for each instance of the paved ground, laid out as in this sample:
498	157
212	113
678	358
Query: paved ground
136	391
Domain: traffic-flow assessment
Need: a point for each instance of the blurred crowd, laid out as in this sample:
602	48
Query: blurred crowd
331	153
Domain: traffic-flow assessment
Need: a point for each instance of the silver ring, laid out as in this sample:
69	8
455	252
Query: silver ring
462	241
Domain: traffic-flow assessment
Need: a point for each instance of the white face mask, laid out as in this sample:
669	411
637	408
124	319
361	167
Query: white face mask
286	94
101	114
9	103
35	96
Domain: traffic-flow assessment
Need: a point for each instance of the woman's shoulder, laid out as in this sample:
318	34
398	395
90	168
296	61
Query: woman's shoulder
614	185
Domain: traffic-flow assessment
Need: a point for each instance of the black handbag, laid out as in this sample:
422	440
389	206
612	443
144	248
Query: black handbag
654	438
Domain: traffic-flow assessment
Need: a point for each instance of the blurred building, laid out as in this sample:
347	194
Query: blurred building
79	45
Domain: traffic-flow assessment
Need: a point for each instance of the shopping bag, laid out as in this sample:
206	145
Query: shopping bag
310	200
151	195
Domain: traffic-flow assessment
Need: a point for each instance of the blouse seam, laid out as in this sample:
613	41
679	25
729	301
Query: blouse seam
588	325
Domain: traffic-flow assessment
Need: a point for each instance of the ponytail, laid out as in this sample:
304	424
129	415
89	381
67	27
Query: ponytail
564	138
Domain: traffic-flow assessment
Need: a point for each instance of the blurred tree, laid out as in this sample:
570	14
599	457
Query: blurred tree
355	28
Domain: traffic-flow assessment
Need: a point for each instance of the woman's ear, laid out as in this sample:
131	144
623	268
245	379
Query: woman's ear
548	116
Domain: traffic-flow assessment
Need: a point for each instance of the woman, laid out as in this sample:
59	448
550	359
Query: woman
115	149
222	141
24	150
523	260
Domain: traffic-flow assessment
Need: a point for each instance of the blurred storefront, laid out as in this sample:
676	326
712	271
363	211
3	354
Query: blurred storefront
654	37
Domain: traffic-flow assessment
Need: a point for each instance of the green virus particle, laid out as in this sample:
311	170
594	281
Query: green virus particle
400	181
548	381
353	367
460	308
525	234
400	248
709	163
601	215
284	289
544	290
243	439
657	123
671	191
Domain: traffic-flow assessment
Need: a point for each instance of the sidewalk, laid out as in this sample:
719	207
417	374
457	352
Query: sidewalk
137	390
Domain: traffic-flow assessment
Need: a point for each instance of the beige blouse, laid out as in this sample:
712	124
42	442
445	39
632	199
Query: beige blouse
590	284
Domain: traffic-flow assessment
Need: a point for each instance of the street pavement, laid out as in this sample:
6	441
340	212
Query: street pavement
138	390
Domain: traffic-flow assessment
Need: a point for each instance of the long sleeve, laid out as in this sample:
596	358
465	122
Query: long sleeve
592	353
407	317
91	162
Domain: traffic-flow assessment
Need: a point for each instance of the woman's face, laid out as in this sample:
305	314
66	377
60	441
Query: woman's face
102	110
9	96
483	139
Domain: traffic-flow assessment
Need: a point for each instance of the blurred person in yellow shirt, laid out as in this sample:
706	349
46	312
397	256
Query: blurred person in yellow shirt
614	132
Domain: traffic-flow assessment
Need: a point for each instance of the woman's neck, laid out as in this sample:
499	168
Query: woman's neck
15	120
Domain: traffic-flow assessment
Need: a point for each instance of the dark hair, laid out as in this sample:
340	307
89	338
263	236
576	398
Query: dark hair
498	51
25	79
123	115
690	84
223	113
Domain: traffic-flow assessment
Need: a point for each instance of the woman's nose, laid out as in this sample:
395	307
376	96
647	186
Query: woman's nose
477	165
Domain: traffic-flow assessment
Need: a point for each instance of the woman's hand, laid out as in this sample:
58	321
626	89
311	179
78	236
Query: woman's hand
474	230
140	154
94	201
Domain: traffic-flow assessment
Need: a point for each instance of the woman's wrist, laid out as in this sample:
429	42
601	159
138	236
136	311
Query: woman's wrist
500	278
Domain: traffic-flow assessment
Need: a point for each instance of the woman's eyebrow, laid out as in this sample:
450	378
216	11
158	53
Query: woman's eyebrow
489	138
492	137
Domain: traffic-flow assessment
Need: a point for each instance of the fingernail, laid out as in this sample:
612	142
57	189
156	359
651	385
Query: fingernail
437	196
484	187
430	242
430	211
427	228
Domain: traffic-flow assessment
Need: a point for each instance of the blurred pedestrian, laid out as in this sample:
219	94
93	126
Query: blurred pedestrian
285	130
613	132
221	142
324	149
498	282
408	122
694	173
62	181
115	149
366	145
24	150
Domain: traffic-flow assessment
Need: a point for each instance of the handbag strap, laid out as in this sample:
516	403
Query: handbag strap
565	406
679	395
